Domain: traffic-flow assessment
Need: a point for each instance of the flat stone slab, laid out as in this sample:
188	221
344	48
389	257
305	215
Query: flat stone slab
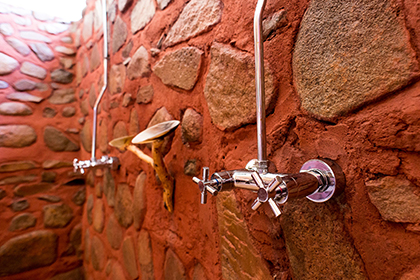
18	45
17	136
142	14
7	64
58	142
347	55
17	166
34	36
22	221
119	34
197	17
180	68
23	96
57	216
53	28
42	51
33	70
139	64
62	96
24	85
62	76
15	109
65	50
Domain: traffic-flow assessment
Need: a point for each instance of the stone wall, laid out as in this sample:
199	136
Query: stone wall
40	198
341	83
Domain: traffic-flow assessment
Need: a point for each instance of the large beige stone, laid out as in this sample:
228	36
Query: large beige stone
22	221
33	70
145	255
197	17
15	109
230	87
142	14
23	96
119	35
34	36
139	64
7	64
58	141
31	189
347	55
97	254
116	78
396	199
140	205
57	216
179	68
62	96
87	26
129	257
192	126
28	251
42	51
17	136
114	232
124	205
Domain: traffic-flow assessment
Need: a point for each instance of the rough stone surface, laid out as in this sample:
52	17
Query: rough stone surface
120	130
199	273
197	17
62	76
340	63
173	267
7	64
15	109
33	70
17	136
28	251
119	35
49	112
230	87
129	257
109	188
179	68
17	166
75	274
116	78
98	216
18	45
65	50
42	87
332	254
62	96
34	36
124	205
57	141
145	256
86	136
162	4
114	232
134	126
239	258
42	51
274	22
23	96
31	189
95	58
6	29
19	205
66	62
89	208
68	112
22	221
139	64
126	99
24	85
97	254
127	49
87	26
396	199
79	197
57	216
192	126
191	167
142	14
145	94
140	205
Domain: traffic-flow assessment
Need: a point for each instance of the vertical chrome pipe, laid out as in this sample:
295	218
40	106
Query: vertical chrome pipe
259	84
98	100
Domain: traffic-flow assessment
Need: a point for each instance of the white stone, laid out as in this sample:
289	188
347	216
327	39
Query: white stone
142	14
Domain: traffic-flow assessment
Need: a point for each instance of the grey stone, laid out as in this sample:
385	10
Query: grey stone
192	126
145	256
114	232
42	17
162	4
57	216
79	197
68	112
87	26
42	87
23	96
345	55
129	257
17	166
230	87
142	14
15	109
53	28
95	58
49	198
24	21
6	29
7	64
50	164
18	179
98	216
31	189
86	136
17	136
97	254
62	96
134	126
119	36
75	274
34	36
396	199
48	176
124	205
19	205
145	94
197	17
116	78
127	49
139	64
3	85
18	45
65	50
126	99
173	267
49	112
123	5
62	76
22	221
140	205
22	253
33	70
109	188
24	85
66	62
179	68
42	51
58	142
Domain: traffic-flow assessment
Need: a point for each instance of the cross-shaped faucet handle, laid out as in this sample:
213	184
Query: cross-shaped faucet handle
205	185
264	193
